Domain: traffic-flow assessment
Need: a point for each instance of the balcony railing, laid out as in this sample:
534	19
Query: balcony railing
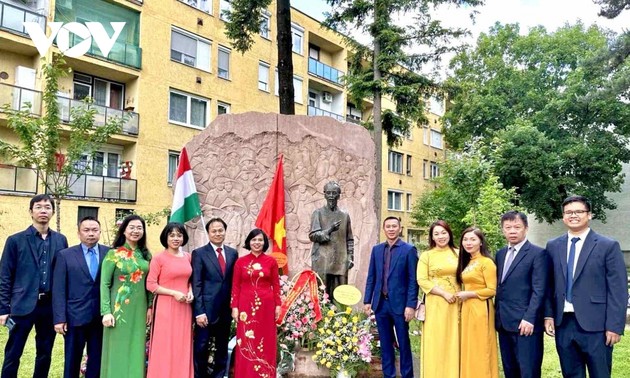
324	71
19	98
353	120
18	179
313	111
12	18
123	53
103	114
101	187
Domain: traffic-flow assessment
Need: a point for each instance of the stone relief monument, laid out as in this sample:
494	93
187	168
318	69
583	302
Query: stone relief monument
234	160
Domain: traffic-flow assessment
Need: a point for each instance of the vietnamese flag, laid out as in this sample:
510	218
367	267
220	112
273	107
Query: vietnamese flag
271	219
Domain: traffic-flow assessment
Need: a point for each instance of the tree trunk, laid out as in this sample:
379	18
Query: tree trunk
285	58
376	110
58	212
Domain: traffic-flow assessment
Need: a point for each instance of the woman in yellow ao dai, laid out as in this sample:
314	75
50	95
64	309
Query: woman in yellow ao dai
477	274
439	353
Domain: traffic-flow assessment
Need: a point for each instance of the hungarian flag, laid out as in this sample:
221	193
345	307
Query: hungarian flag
271	219
185	201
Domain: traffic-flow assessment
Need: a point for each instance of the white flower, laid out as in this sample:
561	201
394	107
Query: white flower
249	334
257	266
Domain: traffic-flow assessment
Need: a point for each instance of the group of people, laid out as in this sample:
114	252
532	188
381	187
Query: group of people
105	300
574	289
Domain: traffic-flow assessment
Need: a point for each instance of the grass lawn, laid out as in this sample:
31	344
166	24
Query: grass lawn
28	358
551	364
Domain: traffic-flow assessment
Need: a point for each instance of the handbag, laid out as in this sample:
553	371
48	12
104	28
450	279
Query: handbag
420	310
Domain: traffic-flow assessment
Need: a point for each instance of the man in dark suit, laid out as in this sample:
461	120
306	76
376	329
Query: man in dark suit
391	291
76	300
522	277
213	266
25	288
587	308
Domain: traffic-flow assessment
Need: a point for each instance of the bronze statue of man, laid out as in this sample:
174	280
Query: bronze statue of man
333	245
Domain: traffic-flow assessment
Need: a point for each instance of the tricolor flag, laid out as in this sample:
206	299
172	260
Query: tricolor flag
185	201
271	219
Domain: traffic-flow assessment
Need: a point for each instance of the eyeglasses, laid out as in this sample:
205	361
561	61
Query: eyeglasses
570	213
39	208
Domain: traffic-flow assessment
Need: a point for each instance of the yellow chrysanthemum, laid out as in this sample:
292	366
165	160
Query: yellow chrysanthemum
348	310
330	313
355	319
328	365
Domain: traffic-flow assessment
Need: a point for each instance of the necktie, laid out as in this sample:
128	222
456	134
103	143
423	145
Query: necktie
387	259
221	260
570	269
93	266
511	253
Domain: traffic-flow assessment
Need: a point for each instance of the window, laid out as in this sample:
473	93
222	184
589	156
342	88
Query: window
297	87
425	135
120	214
202	5
104	92
265	25
224	8
224	62
394	200
173	163
436	105
223	108
436	139
86	211
297	33
435	170
104	162
409	202
313	52
188	110
263	76
352	113
190	49
424	168
394	162
408	165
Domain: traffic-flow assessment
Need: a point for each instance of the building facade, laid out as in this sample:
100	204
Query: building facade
172	70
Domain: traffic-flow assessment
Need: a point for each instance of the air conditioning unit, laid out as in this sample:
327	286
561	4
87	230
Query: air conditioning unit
327	97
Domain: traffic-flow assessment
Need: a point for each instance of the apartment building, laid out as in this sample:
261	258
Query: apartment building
172	70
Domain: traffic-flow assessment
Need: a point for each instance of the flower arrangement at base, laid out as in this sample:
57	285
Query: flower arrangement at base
344	342
299	325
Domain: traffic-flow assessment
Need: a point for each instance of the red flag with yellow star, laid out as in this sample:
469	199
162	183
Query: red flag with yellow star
271	219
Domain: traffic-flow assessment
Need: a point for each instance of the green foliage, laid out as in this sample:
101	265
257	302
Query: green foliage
395	72
466	193
43	140
244	22
612	8
557	123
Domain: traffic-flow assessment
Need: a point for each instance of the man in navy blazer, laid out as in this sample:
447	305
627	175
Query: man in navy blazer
587	308
213	266
25	288
522	281
391	291
76	300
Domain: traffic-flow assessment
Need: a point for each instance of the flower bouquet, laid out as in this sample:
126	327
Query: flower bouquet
299	325
344	342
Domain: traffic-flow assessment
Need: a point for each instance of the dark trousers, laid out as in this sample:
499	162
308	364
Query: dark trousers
387	322
579	349
76	339
41	318
220	331
521	355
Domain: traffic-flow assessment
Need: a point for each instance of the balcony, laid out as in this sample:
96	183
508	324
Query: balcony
19	98
313	111
106	188
123	53
12	18
103	114
324	71
18	180
353	120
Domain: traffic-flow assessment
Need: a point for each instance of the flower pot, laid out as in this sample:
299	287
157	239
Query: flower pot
305	367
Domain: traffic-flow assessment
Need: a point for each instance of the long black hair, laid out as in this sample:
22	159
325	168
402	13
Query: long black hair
444	225
464	256
121	239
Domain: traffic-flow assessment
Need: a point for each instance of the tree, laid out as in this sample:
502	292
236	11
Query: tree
243	24
555	127
53	152
467	193
391	69
612	8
